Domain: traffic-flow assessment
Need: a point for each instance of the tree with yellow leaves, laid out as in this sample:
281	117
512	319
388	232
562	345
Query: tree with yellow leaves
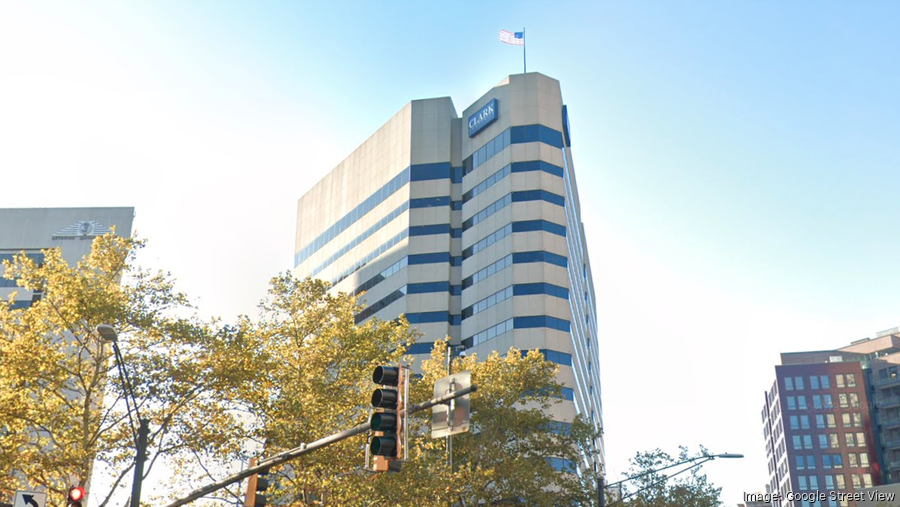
505	458
61	402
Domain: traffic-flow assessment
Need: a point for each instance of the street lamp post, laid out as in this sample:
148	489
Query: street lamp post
697	462
109	334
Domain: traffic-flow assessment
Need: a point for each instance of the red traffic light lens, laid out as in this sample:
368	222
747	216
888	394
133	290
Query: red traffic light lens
76	494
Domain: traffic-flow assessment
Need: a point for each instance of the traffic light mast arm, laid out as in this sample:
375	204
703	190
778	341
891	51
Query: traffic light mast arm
302	449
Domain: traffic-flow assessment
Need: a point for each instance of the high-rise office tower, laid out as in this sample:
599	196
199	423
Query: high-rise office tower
470	226
831	421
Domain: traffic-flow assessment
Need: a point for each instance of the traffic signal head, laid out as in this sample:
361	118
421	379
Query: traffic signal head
76	496
384	446
385	398
387	422
386	375
257	485
384	421
262	484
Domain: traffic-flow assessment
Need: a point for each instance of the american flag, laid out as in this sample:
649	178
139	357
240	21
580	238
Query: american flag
514	38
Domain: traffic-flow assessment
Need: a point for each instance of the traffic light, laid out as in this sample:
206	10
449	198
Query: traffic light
257	484
388	440
75	497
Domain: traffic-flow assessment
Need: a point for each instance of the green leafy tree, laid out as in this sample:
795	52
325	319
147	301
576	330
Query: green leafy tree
61	401
655	487
505	458
217	394
318	368
315	369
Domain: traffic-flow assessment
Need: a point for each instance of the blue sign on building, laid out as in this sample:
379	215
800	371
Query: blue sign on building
483	118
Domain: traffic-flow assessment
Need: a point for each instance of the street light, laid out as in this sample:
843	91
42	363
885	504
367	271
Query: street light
108	333
697	462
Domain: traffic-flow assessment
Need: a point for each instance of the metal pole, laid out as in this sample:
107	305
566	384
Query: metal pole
120	366
143	434
266	464
524	65
601	495
450	411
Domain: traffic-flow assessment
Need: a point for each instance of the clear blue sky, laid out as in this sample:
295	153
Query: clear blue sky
738	163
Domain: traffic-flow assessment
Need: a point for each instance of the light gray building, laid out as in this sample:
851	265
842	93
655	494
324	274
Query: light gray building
31	230
72	230
470	225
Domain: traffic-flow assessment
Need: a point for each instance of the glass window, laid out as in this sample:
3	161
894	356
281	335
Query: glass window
801	463
833	438
828	402
854	400
845	419
867	480
830	419
802	481
824	380
851	380
829	482
817	400
855	479
839	380
823	441
811	462
826	461
814	382
852	460
801	402
839	481
820	420
804	421
795	422
838	461
807	442
861	439
792	403
857	420
788	383
842	399
798	383
851	441
813	482
863	459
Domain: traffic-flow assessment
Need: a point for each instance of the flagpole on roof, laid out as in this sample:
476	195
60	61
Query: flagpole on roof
524	64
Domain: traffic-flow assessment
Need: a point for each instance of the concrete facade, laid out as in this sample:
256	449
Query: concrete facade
473	237
30	230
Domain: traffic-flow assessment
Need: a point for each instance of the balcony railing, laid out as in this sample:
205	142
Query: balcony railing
892	444
887	401
893	422
883	382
